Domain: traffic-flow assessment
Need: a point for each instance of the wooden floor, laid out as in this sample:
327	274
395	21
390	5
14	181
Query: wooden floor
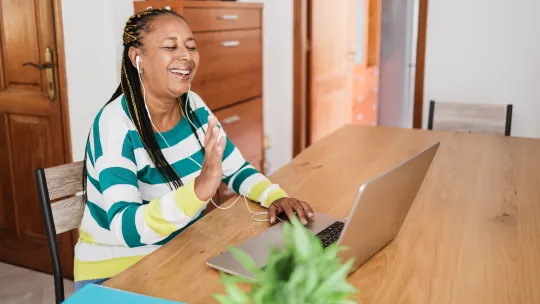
20	286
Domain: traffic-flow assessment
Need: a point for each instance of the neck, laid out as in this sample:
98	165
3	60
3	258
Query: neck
165	113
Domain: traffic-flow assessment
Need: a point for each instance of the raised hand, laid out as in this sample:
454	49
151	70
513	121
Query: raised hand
207	183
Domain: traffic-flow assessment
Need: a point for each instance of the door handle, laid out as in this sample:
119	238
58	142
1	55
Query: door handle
228	17
230	43
39	66
231	120
49	66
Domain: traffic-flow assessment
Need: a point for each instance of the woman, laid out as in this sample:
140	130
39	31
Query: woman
156	156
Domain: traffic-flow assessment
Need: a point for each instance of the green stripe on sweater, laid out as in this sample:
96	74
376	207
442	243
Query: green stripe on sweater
89	155
241	177
117	207
98	151
129	229
178	133
99	215
116	176
184	167
127	150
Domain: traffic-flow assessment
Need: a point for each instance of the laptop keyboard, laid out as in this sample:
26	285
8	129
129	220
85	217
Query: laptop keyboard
330	234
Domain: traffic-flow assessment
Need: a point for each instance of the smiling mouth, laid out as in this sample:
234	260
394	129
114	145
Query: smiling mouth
181	73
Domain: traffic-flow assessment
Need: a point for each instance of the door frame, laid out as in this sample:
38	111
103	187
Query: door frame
301	69
64	104
62	78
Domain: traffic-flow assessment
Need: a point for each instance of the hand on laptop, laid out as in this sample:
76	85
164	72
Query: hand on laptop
290	206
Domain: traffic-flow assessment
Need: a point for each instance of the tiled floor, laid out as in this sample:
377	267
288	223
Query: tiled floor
21	286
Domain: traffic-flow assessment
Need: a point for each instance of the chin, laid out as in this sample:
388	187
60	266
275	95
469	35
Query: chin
179	91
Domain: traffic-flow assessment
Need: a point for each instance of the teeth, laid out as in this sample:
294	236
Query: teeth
181	71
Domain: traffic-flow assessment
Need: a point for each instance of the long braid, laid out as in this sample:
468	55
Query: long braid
130	87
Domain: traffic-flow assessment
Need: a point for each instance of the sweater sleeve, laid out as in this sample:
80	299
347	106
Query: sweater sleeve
130	220
238	174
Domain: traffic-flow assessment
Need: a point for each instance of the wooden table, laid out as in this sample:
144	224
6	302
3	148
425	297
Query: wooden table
472	236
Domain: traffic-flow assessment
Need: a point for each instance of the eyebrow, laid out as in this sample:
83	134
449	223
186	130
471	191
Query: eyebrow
176	39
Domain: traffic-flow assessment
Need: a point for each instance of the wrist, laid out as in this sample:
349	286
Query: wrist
201	189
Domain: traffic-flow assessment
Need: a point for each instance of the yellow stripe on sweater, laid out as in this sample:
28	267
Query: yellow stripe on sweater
258	189
186	199
275	195
154	219
85	237
102	269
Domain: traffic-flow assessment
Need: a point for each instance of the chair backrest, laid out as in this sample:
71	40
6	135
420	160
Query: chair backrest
468	117
65	181
59	191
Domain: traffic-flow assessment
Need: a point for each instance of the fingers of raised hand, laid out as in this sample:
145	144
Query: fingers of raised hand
211	134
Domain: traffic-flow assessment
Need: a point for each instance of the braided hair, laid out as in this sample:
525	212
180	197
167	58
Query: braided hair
130	87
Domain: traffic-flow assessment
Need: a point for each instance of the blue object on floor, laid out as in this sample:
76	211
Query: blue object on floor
93	293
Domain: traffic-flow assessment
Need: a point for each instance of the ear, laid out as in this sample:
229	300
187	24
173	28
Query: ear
133	53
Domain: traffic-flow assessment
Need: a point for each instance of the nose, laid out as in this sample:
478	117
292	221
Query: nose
184	54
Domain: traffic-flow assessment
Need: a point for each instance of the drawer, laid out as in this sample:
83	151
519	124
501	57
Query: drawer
230	68
176	5
216	19
244	126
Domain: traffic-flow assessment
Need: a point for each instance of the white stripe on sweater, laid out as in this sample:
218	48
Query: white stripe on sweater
121	192
148	236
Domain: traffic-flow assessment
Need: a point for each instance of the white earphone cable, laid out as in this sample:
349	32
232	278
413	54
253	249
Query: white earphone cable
254	214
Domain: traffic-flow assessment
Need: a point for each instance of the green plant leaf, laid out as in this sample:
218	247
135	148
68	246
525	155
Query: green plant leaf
246	261
302	240
301	272
311	280
223	299
336	281
235	293
263	295
346	302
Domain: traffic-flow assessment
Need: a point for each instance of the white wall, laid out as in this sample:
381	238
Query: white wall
93	47
396	55
486	51
278	80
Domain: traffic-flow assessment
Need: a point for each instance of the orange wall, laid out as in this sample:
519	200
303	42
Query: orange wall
365	78
365	92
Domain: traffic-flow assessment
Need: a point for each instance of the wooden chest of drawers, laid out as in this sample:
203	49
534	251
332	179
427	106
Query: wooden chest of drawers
177	5
229	77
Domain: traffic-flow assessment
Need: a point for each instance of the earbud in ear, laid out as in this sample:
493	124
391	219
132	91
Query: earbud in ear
137	62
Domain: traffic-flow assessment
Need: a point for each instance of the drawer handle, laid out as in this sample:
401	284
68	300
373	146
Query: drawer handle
234	43
166	7
230	120
228	17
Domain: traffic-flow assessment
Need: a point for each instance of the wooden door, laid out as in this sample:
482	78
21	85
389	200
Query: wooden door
331	28
31	128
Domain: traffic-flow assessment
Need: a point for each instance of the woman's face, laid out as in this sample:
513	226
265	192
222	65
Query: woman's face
169	57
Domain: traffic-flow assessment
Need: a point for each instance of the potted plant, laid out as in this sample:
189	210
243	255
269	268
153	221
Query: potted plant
303	272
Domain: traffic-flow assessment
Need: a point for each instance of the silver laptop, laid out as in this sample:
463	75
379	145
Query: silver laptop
379	210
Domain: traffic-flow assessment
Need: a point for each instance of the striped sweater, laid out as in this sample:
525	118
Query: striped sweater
130	210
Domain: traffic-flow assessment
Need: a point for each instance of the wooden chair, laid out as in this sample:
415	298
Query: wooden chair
63	184
465	117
